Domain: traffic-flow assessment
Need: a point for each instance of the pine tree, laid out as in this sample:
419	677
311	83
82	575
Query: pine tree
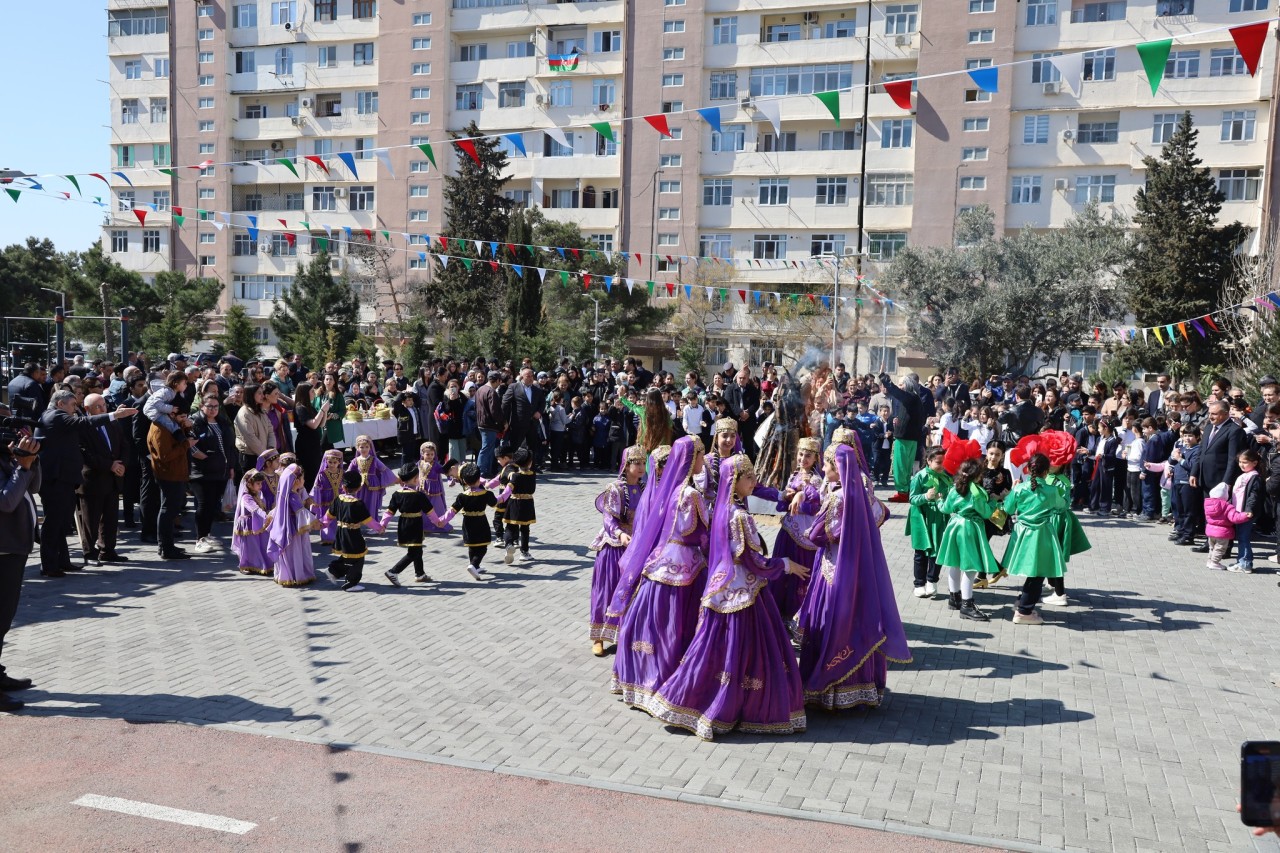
317	303
468	292
524	292
1181	259
184	306
238	333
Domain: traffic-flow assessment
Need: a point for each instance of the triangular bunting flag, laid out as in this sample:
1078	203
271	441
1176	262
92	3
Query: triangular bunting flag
469	146
671	288
900	92
1198	327
318	161
287	163
99	177
1209	319
564	278
75	183
1154	55
444	261
467	262
322	242
218	226
385	156
649	284
659	123
830	100
631	284
349	160
771	110
586	280
519	270
291	238
558	135
386	235
1169	330
141	214
168	172
1070	68
604	129
426	149
712	117
517	142
178	219
1275	299
122	176
986	79
252	227
1182	327
1249	40
282	222
542	274
13	194
688	291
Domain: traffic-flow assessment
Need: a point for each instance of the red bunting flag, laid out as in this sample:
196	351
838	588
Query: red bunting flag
577	256
1249	40
203	164
315	158
742	294
1096	334
470	147
811	299
99	177
141	214
1209	320
671	288
900	92
493	265
177	211
368	235
282	222
586	280
659	123
638	258
290	238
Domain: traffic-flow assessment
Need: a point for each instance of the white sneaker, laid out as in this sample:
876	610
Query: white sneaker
214	544
474	572
931	589
356	588
1240	569
511	555
526	557
1056	600
391	578
921	592
201	546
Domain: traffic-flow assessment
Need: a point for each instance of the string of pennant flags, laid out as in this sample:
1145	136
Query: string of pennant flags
1249	40
1167	334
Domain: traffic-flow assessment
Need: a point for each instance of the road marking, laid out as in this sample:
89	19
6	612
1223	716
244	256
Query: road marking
149	810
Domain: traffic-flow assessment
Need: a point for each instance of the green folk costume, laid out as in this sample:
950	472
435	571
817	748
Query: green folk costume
903	459
1034	551
925	518
964	541
1066	526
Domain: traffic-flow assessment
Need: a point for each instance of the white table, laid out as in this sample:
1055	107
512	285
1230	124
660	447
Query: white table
375	428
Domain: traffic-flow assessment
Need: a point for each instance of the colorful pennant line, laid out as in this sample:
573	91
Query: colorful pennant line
1167	334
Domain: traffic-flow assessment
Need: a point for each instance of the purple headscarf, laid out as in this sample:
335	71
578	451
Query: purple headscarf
650	526
720	554
284	524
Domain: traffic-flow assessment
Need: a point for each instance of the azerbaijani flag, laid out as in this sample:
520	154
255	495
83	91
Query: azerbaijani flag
563	62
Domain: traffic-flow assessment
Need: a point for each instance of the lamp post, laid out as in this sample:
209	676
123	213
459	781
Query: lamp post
59	325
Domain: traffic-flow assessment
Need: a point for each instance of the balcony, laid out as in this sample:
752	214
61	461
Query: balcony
521	17
590	218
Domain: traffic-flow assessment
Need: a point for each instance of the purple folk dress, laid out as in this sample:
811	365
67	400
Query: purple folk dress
249	533
617	504
324	491
375	477
272	486
850	626
793	542
660	623
289	537
739	671
433	488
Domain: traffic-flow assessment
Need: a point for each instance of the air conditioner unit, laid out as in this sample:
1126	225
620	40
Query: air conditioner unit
288	26
540	100
857	128
266	249
902	40
747	103
604	108
278	145
1051	88
1060	184
811	17
340	192
1068	135
296	121
308	103
335	264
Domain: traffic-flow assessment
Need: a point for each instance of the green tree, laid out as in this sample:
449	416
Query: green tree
467	293
524	291
24	269
313	307
1181	258
182	313
238	333
998	302
98	285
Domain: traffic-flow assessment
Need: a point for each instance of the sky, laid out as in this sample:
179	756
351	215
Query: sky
54	65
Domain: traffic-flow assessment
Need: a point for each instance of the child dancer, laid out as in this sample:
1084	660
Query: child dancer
374	475
739	671
1060	447
412	504
1221	520
616	504
269	465
724	443
964	549
849	622
249	527
1246	497
800	502
926	521
325	488
1033	552
472	502
520	512
289	537
997	482
432	484
505	470
644	539
349	548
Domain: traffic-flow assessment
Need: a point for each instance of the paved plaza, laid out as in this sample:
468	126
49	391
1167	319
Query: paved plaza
1116	726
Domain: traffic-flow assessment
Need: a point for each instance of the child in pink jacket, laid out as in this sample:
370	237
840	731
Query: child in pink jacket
1220	520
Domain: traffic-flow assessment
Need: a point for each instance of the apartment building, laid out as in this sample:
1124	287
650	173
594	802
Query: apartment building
252	82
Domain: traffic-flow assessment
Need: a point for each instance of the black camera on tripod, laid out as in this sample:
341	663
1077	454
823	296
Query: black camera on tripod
12	429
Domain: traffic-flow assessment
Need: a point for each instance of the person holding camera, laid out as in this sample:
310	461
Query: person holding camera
19	480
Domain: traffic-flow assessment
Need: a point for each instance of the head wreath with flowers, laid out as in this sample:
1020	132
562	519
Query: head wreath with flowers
1058	446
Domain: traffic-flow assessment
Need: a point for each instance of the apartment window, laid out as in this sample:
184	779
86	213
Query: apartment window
362	54
1026	190
293	201
364	8
124	156
775	191
602	242
205	80
1098	129
978	6
552	148
420	93
419	167
422	19
284	12
1171	8
1042	69
673	106
245	15
669	214
1247	6
603	92
421	69
1099	65
896	132
800	79
520	199
976	124
1182	64
607	41
419	191
160	198
672	2
204	35
668	186
251	201
421	43
832	191
717	192
605	148
161	68
973	182
1226	62
204	57
724	86
672	80
1092	13
323	198
1095	188
202	103
247	61
564	198
469	96
326	10
670	161
973	154
160	110
1035	130
1162	126
133	69
901	19
890	189
732	137
521	49
511	94
826	244
366	103
724	30
1238	125
362	198
982	36
255	111
473	52
673	26
669	240
420	118
284	62
138	22
777	33
838	140
715	245
561	93
208	238
1239	184
672	53
785	141
130	108
418	215
768	247
204	10
119	241
242	246
205	194
839	30
885	245
281	246
125	200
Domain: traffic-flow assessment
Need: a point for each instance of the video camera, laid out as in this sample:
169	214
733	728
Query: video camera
12	429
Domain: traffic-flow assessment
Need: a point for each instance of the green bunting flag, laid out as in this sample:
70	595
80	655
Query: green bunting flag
168	172
178	220
564	278
467	262
286	162
431	155
13	194
322	242
75	183
1154	55
386	235
603	128
831	100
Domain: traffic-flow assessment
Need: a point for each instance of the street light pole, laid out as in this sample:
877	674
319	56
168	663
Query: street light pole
596	336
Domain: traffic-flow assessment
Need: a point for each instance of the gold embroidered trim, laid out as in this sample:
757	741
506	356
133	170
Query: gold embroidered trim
348	525
347	556
254	570
411	515
295	583
642	647
706	727
522	497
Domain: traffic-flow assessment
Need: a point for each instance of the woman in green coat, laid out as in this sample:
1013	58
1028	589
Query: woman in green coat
1034	552
964	550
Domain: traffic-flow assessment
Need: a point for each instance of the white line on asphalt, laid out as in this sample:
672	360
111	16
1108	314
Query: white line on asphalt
149	810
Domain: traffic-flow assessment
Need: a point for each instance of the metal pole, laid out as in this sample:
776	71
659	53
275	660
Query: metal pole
884	335
835	318
124	334
862	190
106	323
596	337
60	344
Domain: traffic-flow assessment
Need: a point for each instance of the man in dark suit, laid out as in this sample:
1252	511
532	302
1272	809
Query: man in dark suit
60	434
522	408
743	399
1028	417
956	388
1222	443
105	453
1155	400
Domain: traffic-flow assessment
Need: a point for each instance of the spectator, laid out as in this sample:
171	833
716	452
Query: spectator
169	461
211	468
254	434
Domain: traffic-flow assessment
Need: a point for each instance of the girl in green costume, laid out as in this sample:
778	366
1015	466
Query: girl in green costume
964	550
926	521
1034	552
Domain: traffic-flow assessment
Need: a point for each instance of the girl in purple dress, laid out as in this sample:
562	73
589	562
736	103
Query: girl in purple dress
374	476
849	624
660	623
739	671
616	504
429	475
269	465
249	526
325	490
289	536
644	538
800	502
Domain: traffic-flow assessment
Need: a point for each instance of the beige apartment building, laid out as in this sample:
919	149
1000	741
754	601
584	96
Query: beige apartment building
249	82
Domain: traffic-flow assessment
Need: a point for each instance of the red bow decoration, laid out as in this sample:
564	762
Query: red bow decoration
958	452
1059	446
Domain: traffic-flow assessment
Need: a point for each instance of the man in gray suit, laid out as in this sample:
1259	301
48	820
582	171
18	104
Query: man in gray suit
19	480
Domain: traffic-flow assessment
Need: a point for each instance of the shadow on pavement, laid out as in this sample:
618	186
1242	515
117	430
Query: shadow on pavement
159	708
